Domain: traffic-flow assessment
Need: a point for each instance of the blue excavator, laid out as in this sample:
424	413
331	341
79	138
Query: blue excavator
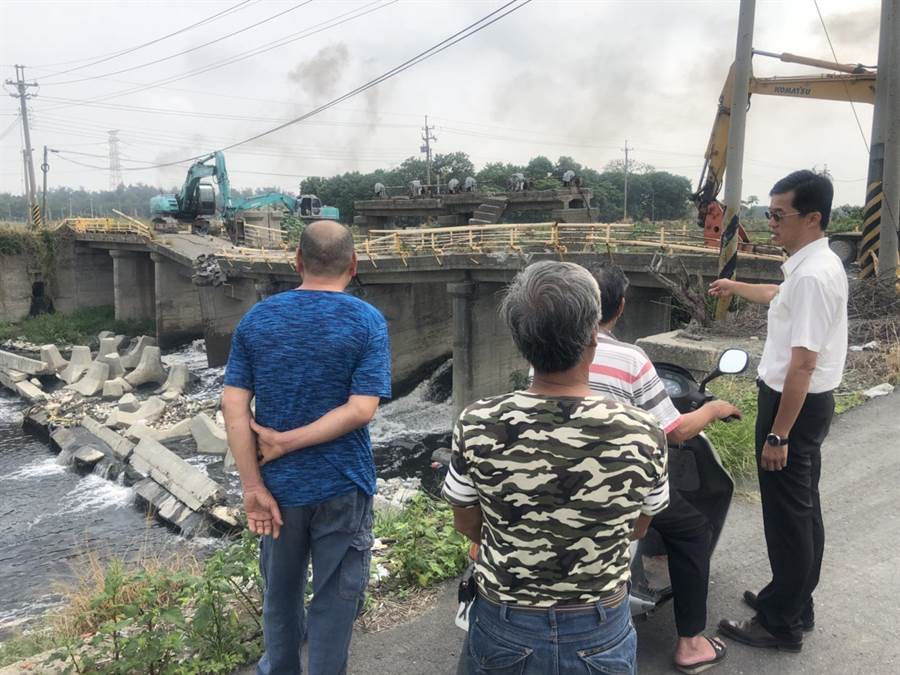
196	202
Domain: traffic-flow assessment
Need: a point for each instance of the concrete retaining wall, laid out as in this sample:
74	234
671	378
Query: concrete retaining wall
15	288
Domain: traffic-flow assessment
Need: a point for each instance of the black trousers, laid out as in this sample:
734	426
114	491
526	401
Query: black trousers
792	512
687	535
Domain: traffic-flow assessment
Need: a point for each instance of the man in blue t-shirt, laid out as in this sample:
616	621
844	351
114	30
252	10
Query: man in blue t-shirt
318	362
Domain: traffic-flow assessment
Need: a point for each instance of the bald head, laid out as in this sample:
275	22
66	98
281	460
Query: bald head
326	248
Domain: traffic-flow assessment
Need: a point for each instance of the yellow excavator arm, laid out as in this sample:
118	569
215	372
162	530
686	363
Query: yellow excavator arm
849	82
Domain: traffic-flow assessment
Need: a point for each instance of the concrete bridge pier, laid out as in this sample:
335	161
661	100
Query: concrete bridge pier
177	300
485	358
221	308
84	277
648	311
133	285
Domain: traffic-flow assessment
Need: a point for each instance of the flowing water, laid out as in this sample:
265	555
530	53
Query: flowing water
53	520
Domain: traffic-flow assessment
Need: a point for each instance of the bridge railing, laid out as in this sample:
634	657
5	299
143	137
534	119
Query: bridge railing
549	237
108	226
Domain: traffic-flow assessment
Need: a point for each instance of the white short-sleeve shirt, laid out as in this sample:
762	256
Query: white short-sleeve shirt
810	311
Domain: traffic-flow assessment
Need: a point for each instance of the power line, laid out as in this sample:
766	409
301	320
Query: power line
334	22
448	42
834	54
186	51
115	55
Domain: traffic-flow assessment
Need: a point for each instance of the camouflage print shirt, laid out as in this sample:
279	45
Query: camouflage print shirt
560	482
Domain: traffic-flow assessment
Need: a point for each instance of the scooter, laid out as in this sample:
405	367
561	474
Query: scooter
695	469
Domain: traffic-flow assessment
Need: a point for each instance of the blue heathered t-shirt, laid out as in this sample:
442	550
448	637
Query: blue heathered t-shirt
304	353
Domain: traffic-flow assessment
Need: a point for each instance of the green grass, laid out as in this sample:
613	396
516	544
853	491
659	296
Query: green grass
736	441
423	547
25	645
76	328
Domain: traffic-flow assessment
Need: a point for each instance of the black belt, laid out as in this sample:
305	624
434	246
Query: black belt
612	599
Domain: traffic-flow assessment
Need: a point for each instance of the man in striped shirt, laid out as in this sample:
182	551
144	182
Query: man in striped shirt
622	371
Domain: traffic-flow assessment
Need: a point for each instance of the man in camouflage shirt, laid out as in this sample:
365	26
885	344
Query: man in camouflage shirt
551	482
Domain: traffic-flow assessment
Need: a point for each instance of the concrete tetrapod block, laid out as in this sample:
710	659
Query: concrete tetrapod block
140	431
133	357
210	437
150	411
81	359
92	382
149	369
179	377
108	345
54	360
112	389
103	334
230	464
128	403
186	483
114	361
10	361
125	386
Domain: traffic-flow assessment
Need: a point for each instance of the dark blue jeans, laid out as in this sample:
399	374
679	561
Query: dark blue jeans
337	535
503	640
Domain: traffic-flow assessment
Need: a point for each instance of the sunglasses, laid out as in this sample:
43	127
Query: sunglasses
778	216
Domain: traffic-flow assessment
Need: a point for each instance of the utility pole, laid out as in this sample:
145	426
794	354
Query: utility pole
890	221
45	168
22	94
625	202
427	136
735	158
115	166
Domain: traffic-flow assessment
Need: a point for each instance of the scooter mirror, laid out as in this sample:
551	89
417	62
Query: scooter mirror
733	361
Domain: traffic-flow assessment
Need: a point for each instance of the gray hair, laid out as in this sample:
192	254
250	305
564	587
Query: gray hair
551	309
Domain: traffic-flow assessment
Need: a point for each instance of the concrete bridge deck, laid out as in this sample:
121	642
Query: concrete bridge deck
438	288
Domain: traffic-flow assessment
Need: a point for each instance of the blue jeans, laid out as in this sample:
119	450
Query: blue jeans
337	535
503	640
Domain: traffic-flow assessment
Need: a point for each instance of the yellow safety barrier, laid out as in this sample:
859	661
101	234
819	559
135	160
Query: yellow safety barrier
108	226
550	237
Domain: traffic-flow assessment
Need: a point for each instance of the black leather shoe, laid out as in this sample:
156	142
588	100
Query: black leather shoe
751	633
807	620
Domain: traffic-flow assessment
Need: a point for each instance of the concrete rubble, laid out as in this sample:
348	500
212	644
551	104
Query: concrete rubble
186	483
30	392
10	361
128	403
149	368
394	493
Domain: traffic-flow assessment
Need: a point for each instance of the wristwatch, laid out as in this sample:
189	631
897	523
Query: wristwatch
776	440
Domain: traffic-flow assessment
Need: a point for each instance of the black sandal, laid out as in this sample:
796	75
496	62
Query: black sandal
700	666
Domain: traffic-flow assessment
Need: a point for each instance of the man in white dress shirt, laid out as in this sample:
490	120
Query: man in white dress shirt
801	365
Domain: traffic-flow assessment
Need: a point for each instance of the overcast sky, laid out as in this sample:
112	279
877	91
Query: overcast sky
554	78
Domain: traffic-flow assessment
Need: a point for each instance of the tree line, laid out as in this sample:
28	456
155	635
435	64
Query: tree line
652	195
